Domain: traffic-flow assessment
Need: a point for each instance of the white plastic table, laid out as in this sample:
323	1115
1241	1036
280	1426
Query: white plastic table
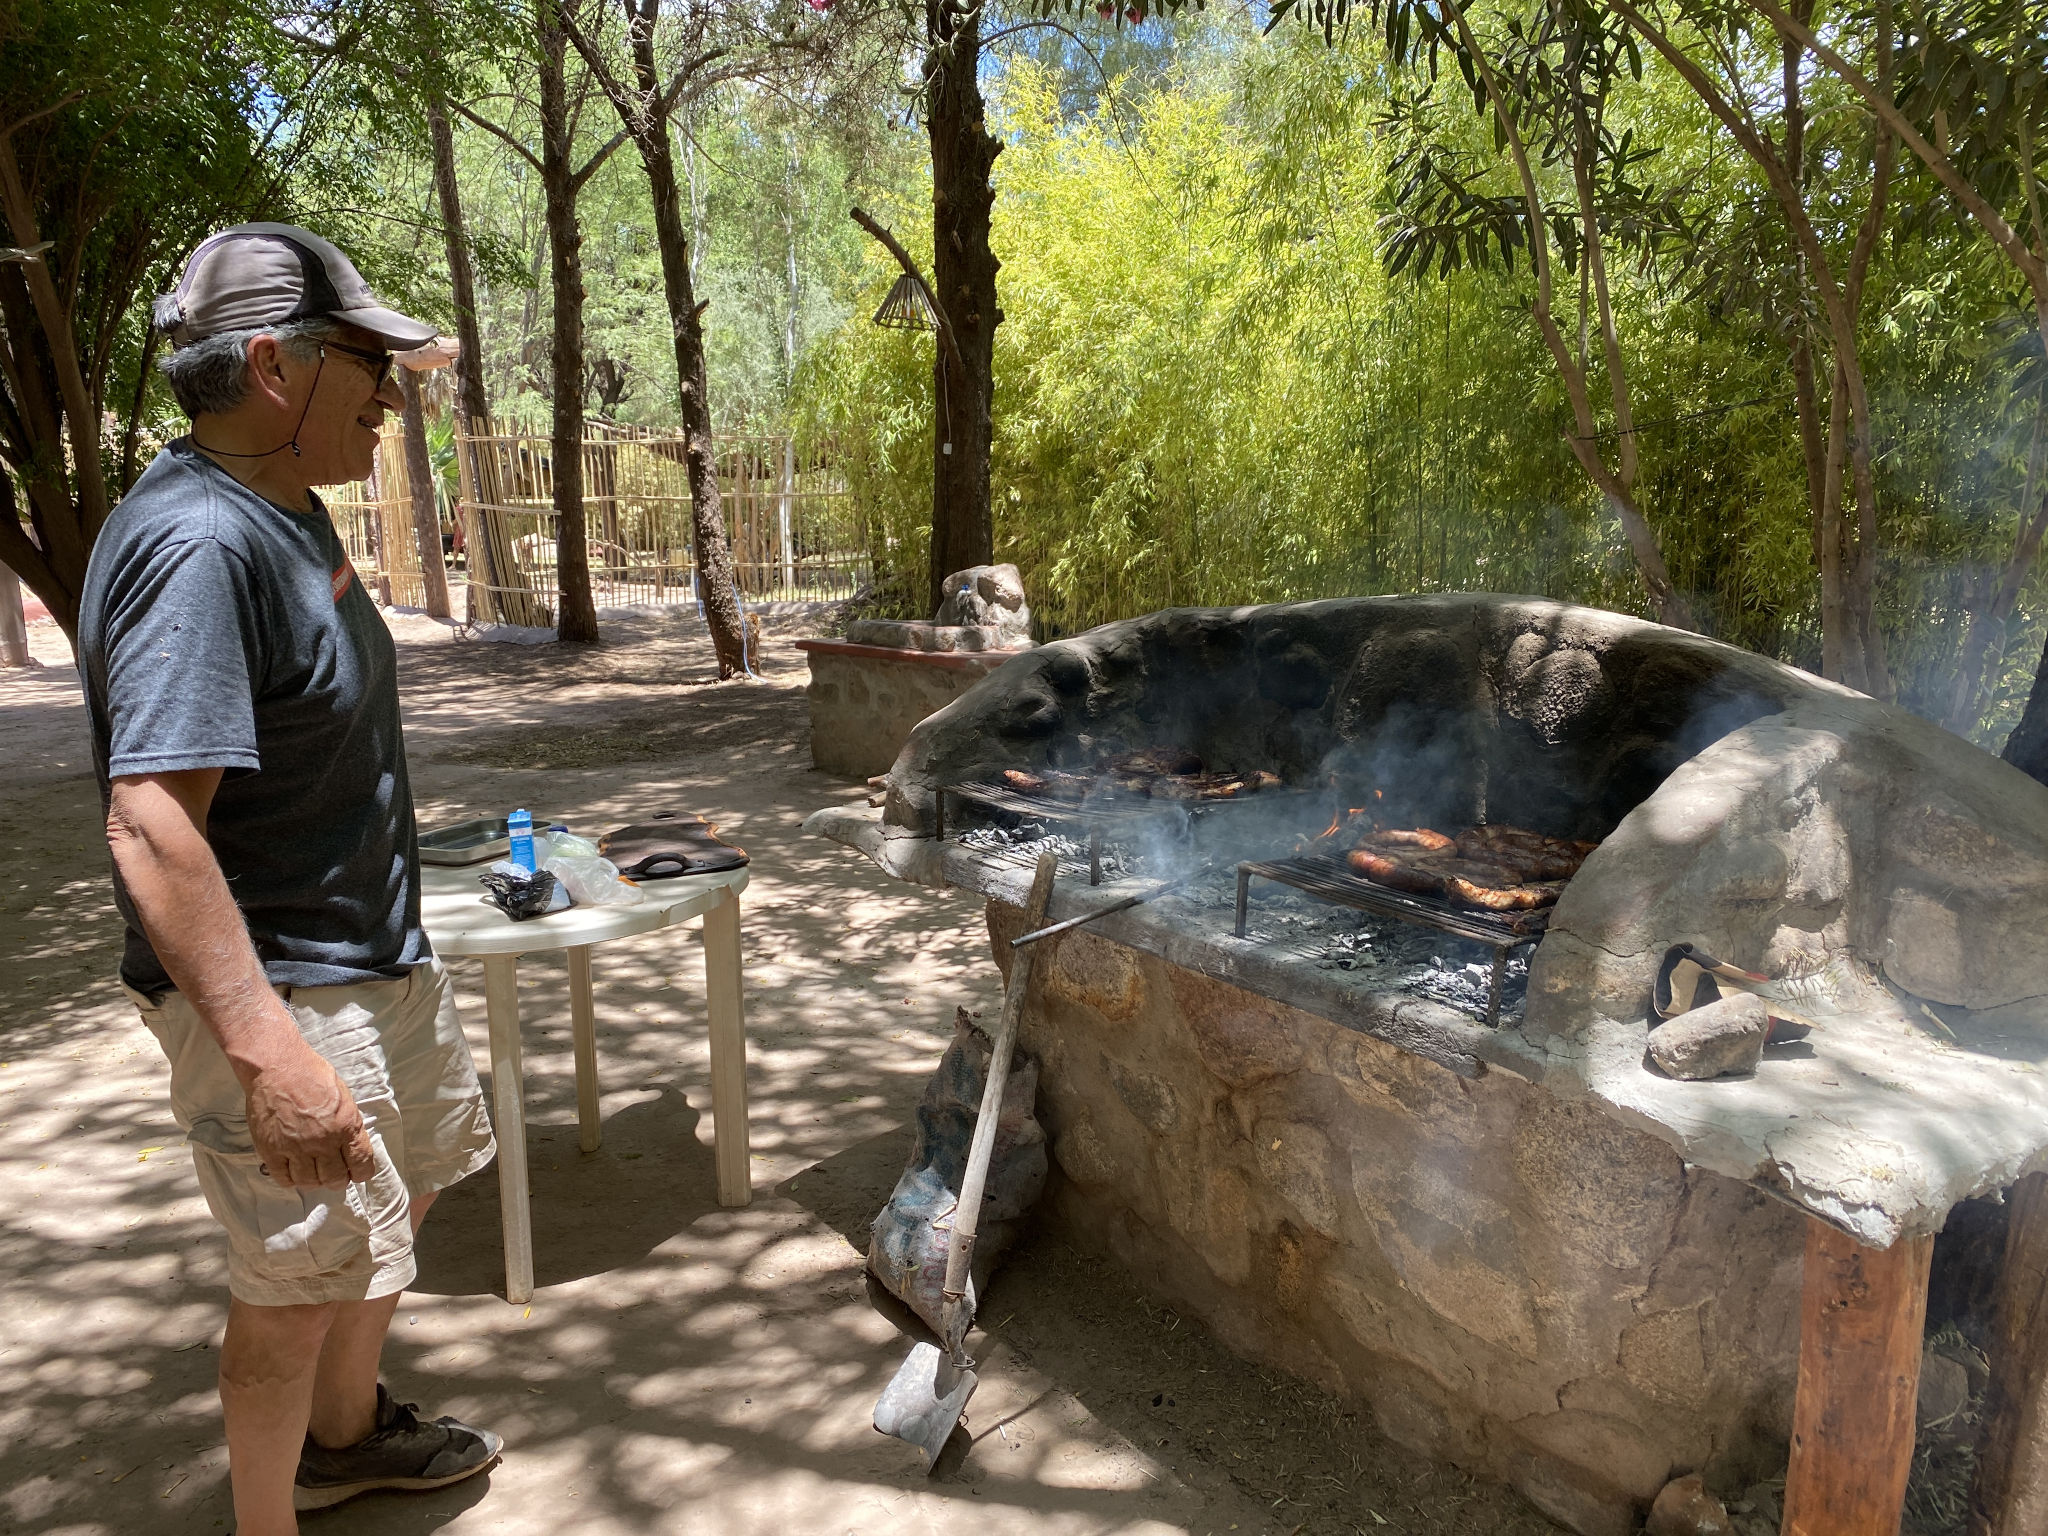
460	922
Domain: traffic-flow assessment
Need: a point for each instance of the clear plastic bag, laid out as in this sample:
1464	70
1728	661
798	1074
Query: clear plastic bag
592	881
565	844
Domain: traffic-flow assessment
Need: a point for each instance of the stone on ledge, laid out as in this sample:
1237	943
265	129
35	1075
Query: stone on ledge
1720	1040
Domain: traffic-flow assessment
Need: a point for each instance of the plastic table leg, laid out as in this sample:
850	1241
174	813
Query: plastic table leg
722	989
508	1112
583	1025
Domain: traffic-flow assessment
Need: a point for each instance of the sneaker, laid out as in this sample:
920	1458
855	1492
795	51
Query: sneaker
401	1452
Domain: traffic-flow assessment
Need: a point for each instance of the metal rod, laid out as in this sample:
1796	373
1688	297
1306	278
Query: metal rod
1244	886
1115	906
1095	856
1494	987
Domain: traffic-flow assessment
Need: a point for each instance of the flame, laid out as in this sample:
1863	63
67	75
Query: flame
1339	820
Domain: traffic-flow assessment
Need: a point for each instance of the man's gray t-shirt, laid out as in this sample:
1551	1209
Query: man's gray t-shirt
220	630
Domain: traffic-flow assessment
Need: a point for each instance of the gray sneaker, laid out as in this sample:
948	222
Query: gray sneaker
401	1452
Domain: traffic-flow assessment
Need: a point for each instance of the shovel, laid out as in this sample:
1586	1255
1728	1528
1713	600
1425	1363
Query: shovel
929	1391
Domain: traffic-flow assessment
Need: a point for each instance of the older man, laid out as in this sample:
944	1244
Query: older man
243	699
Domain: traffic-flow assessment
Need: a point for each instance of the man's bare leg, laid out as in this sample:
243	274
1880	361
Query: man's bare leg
268	1361
344	1397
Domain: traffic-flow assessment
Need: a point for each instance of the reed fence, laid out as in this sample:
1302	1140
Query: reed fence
790	525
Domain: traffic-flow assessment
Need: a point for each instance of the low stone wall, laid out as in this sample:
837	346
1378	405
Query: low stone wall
1504	1279
865	699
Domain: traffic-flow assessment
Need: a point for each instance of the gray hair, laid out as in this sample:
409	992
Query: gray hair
212	374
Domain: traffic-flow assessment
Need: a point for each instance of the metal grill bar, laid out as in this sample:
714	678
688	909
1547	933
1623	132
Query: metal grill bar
1327	879
1107	808
1105	813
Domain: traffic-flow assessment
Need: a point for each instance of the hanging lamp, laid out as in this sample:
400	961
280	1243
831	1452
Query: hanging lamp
908	307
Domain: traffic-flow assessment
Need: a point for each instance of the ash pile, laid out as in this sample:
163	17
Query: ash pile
1385	952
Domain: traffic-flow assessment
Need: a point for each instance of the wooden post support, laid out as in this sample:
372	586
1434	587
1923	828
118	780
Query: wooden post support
2010	1494
1861	1316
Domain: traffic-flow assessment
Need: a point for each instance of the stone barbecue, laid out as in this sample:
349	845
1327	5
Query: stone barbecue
1451	1189
869	690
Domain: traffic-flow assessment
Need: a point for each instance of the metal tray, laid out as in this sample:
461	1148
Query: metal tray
475	841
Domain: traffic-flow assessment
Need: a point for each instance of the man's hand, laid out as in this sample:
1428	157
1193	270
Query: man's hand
306	1126
305	1123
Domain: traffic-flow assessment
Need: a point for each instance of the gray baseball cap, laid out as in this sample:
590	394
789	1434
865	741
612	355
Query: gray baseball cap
267	274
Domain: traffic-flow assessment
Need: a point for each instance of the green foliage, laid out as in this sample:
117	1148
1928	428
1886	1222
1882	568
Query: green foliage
1236	406
136	129
1212	389
1266	296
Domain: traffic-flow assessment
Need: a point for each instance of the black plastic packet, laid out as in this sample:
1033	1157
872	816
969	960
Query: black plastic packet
521	896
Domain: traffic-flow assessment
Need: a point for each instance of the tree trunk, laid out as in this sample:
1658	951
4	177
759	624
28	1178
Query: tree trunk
59	463
426	516
647	121
2027	747
1584	440
575	614
472	400
1805	385
1838	659
1851	642
1862	585
964	273
13	626
472	403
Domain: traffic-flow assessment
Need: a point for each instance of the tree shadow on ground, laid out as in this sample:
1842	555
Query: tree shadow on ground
1057	1312
592	1211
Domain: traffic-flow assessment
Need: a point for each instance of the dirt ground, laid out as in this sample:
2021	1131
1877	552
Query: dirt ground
682	1368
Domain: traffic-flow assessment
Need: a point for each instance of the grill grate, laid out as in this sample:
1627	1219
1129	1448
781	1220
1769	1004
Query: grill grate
1106	815
1328	879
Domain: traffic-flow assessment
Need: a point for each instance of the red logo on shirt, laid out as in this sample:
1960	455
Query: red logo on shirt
343	575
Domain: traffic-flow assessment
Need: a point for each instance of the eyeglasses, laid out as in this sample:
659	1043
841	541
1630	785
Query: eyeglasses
380	362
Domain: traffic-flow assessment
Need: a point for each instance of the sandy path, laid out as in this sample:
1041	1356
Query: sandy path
682	1368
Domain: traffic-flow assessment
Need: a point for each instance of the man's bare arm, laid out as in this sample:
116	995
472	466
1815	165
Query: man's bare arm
304	1123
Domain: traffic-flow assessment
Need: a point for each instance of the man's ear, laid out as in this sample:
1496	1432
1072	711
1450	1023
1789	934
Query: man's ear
267	370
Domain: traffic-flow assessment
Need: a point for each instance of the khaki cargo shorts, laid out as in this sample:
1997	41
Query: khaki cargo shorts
399	1047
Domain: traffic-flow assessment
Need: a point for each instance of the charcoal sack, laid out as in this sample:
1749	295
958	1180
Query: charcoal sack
912	1236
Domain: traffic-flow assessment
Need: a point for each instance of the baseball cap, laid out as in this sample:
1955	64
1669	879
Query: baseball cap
267	274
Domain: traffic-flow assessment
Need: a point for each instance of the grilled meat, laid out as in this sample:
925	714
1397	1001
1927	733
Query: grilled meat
1498	869
1051	783
1398	873
1164	773
1212	786
1407	837
1537	856
1511	898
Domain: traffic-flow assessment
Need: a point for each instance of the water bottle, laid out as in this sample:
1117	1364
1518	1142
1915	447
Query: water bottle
520	826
